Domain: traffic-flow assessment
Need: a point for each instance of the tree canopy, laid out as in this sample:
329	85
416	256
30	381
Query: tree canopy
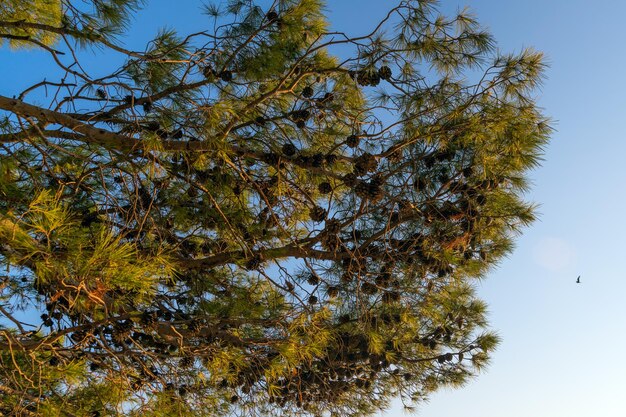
268	217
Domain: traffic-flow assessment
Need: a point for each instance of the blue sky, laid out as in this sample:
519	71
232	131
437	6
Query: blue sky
562	346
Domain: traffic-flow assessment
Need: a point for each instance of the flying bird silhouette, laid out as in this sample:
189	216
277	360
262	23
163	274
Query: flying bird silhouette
578	280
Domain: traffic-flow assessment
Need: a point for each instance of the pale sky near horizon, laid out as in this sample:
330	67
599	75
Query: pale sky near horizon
562	347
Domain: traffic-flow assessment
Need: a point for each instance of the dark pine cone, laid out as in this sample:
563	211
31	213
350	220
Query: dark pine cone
317	214
208	72
365	163
362	190
332	291
445	155
304	160
391	296
300	115
307	92
148	318
317	160
374	191
289	149
332	226
312	300
177	134
101	94
374	79
363	78
195	326
331	158
384	72
226	75
271	15
78	336
313	279
271	158
153	126
429	160
350	179
369	288
125	325
324	188
254	262
353	141
367	77
419	184
186	362
344	318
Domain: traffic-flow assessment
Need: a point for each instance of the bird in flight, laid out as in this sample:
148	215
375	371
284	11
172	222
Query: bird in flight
578	280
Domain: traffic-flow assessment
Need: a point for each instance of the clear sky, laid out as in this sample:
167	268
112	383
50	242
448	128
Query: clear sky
563	344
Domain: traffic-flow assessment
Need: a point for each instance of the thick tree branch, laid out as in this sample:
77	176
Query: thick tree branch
91	134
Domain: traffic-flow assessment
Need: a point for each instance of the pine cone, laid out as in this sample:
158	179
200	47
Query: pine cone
331	158
313	279
148	318
332	291
384	72
307	92
254	262
318	214
186	362
289	149
350	179
369	288
391	296
324	188
271	158
365	163
195	326
353	141
317	160
374	189
271	16
362	190
226	75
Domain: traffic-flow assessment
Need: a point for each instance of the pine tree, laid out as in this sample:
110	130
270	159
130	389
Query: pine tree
242	222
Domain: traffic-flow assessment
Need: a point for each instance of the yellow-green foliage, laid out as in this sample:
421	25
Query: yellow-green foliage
83	266
326	202
46	12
